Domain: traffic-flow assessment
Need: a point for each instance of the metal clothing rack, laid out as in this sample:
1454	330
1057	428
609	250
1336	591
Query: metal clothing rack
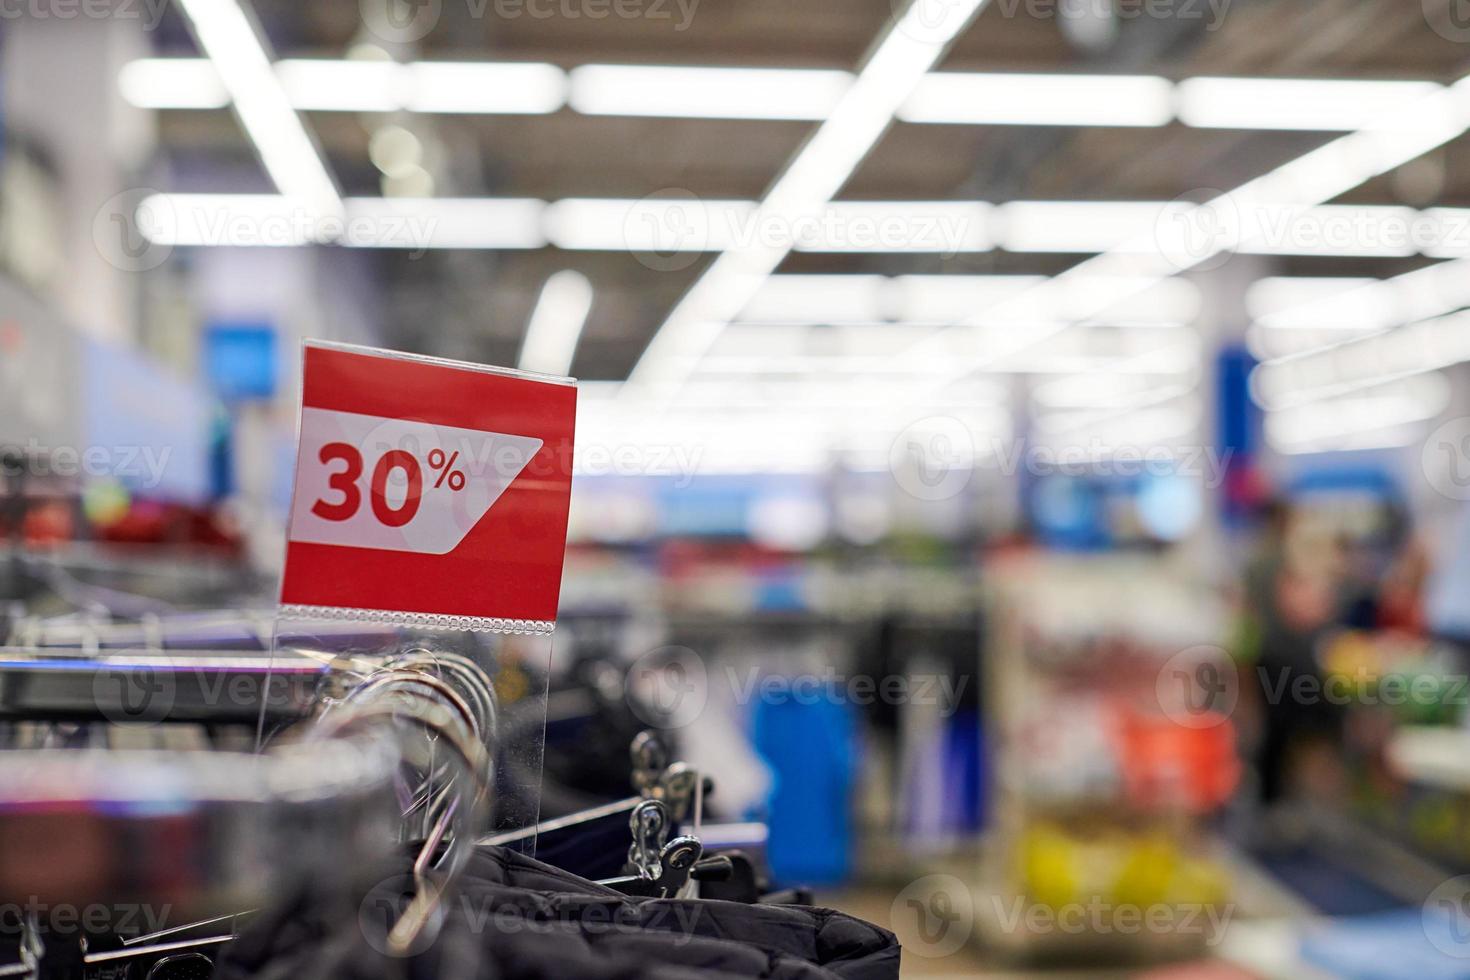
374	752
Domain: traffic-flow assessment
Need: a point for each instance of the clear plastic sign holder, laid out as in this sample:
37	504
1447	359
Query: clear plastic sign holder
491	685
425	543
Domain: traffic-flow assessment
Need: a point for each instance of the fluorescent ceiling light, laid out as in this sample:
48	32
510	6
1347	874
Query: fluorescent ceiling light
233	44
401	223
256	220
556	324
1107	391
1040	100
1104	432
1075	226
1272	344
479	87
819	299
1394	437
941	299
172	83
1418	348
336	85
1337	421
1451	239
658	228
1278	302
1351	230
945	299
714	92
1294	104
1306	181
652	226
1148	227
445	222
662	226
986	300
1414	296
341	86
912	44
708	93
942	227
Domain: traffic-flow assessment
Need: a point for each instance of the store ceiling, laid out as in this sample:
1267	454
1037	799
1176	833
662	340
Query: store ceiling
476	303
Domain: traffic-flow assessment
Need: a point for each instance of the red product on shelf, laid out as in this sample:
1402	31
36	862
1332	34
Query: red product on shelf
1164	762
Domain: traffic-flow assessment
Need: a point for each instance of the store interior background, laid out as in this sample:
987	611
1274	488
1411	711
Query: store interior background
994	523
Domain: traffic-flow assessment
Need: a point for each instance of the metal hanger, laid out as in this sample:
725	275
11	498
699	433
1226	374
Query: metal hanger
439	732
238	812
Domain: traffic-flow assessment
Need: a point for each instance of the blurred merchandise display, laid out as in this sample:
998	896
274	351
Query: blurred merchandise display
1108	768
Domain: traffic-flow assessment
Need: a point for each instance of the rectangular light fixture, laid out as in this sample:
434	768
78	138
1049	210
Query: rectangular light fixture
239	220
653	228
1451	233
337	85
322	85
556	324
1316	303
1152	228
409	224
911	45
172	83
819	299
1309	105
235	46
663	226
1074	226
1429	345
937	227
656	229
1357	420
943	299
501	88
707	92
1040	100
445	222
803	94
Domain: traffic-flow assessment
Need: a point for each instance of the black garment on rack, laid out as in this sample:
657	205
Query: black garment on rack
514	918
594	849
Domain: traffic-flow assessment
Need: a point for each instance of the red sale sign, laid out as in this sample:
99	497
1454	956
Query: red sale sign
428	491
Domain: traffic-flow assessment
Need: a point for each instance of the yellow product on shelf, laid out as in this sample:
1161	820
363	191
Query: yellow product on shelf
1049	864
1149	867
1121	868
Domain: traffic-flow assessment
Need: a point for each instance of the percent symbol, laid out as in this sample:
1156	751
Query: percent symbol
444	466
